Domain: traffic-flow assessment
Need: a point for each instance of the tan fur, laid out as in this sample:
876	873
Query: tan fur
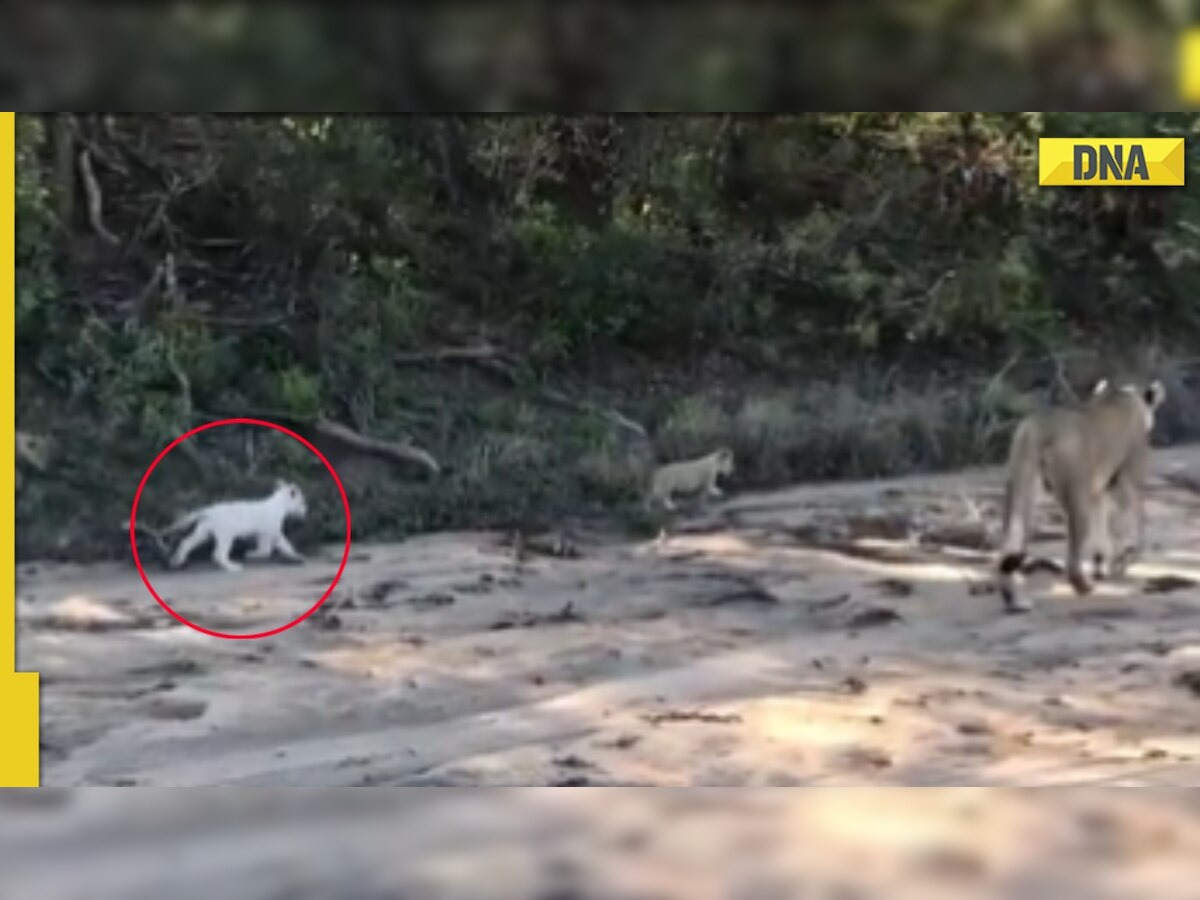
1092	459
690	477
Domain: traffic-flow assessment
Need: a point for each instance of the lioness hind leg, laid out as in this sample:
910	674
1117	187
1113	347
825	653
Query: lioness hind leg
1010	582
1080	519
1101	539
1126	526
1020	501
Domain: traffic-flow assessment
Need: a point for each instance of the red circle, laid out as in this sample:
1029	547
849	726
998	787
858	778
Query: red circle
133	529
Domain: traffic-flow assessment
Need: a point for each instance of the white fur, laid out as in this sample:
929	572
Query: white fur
225	522
690	477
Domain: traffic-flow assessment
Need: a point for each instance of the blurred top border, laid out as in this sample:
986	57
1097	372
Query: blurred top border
1085	55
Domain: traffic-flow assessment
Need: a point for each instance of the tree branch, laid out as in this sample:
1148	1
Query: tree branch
95	199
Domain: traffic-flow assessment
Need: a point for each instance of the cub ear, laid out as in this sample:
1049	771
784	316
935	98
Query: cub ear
1155	394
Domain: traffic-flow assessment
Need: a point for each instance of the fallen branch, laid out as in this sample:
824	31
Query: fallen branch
498	361
402	452
321	431
486	357
618	419
452	354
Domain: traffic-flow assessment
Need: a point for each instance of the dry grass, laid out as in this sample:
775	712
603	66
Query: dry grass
836	430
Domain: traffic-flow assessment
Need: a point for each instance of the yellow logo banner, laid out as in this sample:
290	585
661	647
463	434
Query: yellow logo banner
1111	162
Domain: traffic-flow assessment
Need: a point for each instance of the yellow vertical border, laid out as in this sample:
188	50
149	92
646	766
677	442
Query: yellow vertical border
19	756
1189	66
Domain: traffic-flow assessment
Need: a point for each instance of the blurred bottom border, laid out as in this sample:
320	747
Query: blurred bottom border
239	843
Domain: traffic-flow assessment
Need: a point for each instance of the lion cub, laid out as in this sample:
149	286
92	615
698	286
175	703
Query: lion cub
690	477
261	519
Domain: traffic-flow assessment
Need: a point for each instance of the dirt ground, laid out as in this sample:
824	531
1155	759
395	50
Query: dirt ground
825	635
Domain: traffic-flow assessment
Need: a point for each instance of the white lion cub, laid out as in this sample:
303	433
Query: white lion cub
225	522
690	477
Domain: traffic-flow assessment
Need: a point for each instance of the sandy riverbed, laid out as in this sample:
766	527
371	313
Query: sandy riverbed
824	635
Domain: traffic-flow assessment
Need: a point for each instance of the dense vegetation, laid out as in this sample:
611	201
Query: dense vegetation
846	294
